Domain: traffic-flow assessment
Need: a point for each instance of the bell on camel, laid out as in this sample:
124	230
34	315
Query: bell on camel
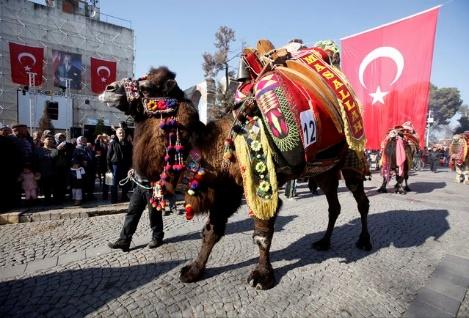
243	71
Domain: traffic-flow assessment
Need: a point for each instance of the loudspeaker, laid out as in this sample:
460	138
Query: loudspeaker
52	110
75	132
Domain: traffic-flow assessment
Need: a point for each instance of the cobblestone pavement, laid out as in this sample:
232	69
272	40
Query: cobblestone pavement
411	234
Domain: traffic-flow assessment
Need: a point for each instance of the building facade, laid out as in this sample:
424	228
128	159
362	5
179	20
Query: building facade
64	29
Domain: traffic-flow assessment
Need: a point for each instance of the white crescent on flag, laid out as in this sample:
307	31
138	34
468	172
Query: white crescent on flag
103	68
26	54
383	51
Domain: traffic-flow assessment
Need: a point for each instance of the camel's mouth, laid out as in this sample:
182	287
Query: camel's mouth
111	99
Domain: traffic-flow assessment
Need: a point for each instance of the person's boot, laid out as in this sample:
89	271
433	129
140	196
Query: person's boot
154	243
122	244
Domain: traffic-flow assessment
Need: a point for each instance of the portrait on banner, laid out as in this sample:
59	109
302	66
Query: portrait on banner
66	65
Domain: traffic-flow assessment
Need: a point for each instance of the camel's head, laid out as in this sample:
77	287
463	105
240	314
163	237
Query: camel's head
132	96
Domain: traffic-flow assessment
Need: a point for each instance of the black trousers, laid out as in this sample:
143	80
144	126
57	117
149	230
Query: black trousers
137	204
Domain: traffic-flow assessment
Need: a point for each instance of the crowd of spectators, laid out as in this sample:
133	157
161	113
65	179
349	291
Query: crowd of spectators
49	166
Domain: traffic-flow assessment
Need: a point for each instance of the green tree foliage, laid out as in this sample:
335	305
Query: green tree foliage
219	61
444	103
464	120
100	128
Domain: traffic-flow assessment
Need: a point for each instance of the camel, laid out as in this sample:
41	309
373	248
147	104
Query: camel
218	177
459	156
397	153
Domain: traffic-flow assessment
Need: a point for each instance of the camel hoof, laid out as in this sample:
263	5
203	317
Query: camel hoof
262	279
190	273
407	188
322	245
382	190
364	243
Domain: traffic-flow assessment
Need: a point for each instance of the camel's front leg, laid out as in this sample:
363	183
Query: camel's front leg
406	178
262	277
398	188
382	189
211	234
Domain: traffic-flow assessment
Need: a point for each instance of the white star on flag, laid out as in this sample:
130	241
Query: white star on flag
103	79
378	96
27	68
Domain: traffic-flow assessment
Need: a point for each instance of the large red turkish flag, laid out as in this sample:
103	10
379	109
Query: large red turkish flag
389	68
103	73
26	59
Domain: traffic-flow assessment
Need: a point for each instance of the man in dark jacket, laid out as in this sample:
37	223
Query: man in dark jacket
119	161
85	156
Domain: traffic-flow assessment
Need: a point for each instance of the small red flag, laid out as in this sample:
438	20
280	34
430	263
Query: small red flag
103	73
389	68
26	59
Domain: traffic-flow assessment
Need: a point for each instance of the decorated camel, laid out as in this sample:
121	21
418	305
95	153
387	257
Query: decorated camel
459	156
286	125
397	153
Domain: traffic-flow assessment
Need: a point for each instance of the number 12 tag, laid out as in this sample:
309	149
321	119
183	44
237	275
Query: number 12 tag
308	125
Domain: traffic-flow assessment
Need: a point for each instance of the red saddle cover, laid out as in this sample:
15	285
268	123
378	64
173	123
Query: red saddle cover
298	125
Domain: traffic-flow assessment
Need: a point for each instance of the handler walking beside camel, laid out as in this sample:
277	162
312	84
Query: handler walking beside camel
138	201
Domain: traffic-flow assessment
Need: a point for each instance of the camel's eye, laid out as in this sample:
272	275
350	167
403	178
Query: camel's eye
111	88
144	87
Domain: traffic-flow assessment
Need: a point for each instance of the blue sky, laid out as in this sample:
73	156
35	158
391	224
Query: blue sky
176	33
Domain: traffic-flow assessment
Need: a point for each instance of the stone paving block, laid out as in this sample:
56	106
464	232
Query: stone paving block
95	251
13	218
65	216
71	257
25	218
464	308
12	271
447	288
74	214
41	264
438	300
83	214
55	215
423	310
3	219
139	241
41	217
443	272
458	265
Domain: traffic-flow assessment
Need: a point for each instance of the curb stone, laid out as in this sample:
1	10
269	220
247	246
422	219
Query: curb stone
27	216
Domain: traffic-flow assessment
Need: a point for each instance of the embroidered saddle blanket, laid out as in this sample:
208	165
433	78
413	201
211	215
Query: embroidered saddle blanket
306	104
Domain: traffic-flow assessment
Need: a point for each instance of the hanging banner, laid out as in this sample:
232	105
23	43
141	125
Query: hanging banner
389	68
26	59
66	67
103	73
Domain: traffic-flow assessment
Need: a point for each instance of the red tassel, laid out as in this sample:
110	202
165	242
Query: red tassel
189	212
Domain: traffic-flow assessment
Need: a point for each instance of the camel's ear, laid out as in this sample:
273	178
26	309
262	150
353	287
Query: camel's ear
170	85
172	89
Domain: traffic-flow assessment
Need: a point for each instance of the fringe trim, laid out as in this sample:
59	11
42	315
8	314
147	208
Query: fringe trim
263	209
355	144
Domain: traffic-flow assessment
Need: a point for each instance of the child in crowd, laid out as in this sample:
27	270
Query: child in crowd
28	181
77	175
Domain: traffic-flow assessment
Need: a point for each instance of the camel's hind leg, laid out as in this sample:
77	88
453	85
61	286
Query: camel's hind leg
328	182
382	189
354	182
